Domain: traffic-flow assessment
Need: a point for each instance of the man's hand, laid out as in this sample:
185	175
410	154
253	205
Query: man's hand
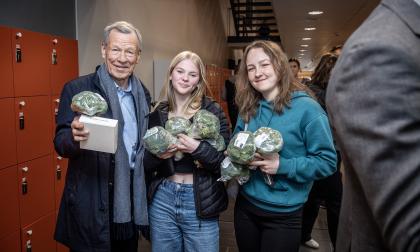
78	130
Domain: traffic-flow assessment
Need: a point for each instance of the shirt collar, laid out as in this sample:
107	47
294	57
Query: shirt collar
120	89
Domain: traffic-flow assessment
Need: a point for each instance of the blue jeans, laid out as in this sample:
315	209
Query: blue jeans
174	224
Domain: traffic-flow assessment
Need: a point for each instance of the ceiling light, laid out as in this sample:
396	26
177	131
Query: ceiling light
310	28
299	57
306	38
304	45
315	12
302	50
301	54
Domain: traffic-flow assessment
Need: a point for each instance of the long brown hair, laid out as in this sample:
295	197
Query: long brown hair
322	72
194	101
247	97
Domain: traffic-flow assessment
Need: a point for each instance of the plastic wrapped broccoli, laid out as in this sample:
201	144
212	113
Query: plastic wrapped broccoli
89	103
157	140
218	143
268	142
230	170
205	125
241	148
177	125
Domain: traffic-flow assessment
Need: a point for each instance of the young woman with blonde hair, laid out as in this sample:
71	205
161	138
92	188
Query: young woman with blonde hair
185	197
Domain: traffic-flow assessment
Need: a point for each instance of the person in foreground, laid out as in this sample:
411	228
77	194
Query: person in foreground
373	102
185	196
269	218
104	199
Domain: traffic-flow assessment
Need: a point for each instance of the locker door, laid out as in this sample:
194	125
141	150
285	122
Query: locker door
33	127
9	211
60	166
64	62
10	243
40	235
6	70
31	59
7	127
36	189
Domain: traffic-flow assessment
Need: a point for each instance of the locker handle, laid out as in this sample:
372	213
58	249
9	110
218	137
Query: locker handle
28	246
18	35
54	57
55	41
22	104
25	169
58	172
21	121
25	191
29	232
59	157
18	53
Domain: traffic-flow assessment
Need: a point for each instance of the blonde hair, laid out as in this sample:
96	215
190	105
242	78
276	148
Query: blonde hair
194	101
247	97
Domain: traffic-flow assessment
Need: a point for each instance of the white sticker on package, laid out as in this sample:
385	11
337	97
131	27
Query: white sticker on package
241	140
259	140
226	162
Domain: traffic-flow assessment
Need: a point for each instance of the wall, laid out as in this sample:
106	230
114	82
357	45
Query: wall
167	26
46	16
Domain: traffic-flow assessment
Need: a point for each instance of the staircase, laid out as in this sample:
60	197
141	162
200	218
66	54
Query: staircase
253	20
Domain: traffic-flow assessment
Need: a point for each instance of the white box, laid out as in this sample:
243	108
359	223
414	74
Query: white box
103	134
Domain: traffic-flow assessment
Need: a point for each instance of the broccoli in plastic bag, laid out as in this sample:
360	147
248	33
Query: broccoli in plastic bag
218	143
157	140
241	148
205	125
177	125
230	170
89	103
268	140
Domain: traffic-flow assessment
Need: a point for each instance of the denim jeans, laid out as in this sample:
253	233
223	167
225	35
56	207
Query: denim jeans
174	224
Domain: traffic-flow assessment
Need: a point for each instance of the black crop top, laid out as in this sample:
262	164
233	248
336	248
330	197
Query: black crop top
185	165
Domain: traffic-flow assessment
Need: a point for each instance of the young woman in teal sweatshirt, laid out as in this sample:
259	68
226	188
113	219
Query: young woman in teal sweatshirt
268	218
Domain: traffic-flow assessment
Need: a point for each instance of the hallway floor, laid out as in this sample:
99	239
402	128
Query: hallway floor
227	234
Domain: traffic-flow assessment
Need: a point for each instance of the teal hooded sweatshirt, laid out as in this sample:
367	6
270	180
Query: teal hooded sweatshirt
308	153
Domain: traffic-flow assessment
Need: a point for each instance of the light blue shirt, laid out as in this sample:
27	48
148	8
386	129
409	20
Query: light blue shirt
130	130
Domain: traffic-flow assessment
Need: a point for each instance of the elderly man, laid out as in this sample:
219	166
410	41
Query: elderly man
104	200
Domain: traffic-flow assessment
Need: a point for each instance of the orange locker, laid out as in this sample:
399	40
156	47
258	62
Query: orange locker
64	62
60	169
9	211
36	189
10	243
33	127
31	59
6	72
7	127
39	236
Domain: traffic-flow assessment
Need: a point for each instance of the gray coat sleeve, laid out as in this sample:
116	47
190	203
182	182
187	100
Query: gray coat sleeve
374	102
